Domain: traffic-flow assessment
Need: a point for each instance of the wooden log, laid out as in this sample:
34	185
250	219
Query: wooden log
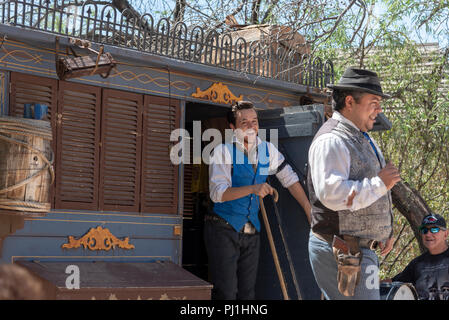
412	206
26	172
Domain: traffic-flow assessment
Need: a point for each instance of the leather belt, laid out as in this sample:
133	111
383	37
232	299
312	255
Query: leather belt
363	243
214	217
369	244
248	228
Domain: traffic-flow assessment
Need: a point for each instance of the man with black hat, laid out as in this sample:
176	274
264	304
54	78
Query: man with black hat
429	272
349	183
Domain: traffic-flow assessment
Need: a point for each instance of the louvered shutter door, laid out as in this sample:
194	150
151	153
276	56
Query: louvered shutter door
160	176
78	129
32	89
120	151
188	205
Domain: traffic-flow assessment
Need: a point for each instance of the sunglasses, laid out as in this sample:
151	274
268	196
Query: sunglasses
432	230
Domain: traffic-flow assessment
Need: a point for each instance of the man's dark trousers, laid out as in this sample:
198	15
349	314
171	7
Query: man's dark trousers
233	258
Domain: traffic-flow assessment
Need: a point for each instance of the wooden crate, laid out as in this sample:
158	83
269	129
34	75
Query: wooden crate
276	36
271	51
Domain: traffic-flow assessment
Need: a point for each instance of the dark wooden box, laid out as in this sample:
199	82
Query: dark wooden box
120	280
77	67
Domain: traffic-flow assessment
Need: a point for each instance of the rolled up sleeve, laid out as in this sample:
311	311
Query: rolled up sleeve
219	173
286	176
330	166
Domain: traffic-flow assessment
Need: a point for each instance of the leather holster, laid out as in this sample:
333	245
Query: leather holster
349	269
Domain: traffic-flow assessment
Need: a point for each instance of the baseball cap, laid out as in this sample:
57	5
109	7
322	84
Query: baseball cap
433	220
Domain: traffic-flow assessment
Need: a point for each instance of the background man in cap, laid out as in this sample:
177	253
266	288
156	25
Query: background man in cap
349	185
430	271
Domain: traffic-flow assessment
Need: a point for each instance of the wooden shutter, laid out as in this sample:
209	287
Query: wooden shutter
188	205
32	89
120	151
160	176
77	159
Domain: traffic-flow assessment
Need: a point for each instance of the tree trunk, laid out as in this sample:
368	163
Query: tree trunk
412	206
255	12
130	13
179	10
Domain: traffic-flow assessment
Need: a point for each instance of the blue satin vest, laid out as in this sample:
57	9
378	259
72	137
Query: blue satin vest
239	211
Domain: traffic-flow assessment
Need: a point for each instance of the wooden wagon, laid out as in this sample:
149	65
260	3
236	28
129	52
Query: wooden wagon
119	206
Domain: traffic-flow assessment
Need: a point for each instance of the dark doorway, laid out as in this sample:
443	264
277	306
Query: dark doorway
196	190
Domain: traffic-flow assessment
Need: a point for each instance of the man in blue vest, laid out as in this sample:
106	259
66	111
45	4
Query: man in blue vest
237	174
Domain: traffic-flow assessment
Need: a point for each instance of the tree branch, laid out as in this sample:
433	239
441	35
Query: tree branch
412	206
255	12
237	10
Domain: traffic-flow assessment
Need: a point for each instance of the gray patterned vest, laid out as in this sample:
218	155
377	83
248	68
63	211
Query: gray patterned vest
373	222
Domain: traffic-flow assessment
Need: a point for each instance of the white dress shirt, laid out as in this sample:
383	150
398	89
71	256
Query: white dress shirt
221	162
330	164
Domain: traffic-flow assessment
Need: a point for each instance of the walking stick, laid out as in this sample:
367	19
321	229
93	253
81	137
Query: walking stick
273	248
287	251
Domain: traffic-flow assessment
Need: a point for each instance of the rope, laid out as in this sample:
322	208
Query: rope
98	60
48	165
24	132
24	205
36	127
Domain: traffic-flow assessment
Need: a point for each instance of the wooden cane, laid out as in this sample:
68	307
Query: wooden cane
273	248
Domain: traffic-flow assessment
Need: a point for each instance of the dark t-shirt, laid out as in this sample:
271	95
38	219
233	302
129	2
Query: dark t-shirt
429	274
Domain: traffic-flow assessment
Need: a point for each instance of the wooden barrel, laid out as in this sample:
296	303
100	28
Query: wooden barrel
26	168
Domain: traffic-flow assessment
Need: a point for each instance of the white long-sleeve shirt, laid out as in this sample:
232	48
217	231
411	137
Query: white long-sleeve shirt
330	164
220	177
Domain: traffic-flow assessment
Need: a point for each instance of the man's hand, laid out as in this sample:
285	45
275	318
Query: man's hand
262	189
389	175
234	193
384	249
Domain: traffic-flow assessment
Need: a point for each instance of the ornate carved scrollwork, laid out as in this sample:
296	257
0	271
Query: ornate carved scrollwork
218	93
98	238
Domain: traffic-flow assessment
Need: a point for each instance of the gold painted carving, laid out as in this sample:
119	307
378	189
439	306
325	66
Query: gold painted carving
219	93
98	239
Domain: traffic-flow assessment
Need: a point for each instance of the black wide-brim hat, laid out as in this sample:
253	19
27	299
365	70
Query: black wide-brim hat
360	80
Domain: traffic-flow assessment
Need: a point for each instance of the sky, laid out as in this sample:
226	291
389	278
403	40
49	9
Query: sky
380	8
422	36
